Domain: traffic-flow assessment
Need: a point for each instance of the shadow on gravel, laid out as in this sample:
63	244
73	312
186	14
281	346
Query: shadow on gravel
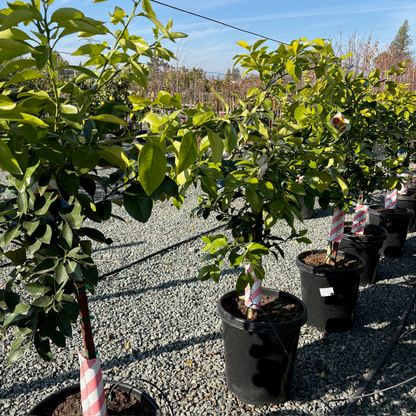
143	290
116	362
112	246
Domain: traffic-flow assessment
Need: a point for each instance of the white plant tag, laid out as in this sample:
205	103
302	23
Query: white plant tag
327	291
379	252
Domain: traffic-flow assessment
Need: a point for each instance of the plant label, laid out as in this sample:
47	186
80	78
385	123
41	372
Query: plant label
327	291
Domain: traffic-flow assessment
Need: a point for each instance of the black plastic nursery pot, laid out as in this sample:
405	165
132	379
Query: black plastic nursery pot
396	225
409	201
305	212
60	396
368	248
259	370
330	295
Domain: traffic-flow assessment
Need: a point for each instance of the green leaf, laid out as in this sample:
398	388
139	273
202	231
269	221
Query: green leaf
201	117
16	65
58	339
297	188
254	199
217	145
325	180
230	138
42	302
209	186
36	289
137	203
242	282
343	185
152	167
85	159
188	152
17	256
64	325
155	121
50	149
7	161
16	349
72	215
109	118
22	76
95	234
18	16
66	237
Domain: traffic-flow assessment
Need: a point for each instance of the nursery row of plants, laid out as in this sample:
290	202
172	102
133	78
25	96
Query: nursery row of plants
254	168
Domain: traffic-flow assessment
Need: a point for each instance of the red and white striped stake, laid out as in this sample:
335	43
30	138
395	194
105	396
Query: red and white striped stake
92	389
405	184
391	199
360	218
253	294
337	227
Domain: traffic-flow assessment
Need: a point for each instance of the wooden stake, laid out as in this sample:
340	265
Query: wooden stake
85	320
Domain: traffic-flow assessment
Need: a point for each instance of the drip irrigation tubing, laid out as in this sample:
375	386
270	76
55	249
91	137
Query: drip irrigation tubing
359	392
163	250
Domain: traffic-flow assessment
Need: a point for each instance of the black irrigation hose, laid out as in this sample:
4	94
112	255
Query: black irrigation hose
359	392
163	250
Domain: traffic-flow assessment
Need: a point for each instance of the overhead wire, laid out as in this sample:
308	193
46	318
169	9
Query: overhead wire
217	21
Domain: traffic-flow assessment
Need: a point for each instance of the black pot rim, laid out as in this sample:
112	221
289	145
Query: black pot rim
128	388
341	273
407	197
369	239
407	212
249	326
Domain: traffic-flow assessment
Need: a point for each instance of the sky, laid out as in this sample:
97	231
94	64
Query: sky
211	46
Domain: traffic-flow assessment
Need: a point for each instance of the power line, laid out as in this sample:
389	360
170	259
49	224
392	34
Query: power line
217	21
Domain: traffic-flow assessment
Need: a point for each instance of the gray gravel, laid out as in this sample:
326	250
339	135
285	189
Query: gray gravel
169	320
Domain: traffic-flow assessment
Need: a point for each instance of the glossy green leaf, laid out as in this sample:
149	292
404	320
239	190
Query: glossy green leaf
22	76
217	145
209	186
137	203
230	138
7	161
254	199
343	185
152	167
85	159
188	152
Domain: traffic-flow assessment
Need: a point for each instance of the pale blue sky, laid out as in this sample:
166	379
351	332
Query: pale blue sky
212	46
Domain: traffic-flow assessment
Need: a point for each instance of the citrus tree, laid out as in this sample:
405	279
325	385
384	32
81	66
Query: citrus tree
52	148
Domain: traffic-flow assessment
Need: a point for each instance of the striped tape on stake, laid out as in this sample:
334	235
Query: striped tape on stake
391	199
335	236
253	294
360	218
92	389
404	185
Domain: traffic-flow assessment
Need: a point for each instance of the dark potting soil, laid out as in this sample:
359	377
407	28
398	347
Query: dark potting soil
121	404
392	211
369	231
278	310
318	261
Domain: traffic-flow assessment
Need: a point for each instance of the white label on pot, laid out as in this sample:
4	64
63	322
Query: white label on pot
381	249
327	291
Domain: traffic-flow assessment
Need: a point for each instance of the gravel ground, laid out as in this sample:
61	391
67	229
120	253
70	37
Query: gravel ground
156	321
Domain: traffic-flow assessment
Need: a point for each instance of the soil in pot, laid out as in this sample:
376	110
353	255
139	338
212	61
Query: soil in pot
368	246
317	260
121	403
277	310
260	357
126	400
